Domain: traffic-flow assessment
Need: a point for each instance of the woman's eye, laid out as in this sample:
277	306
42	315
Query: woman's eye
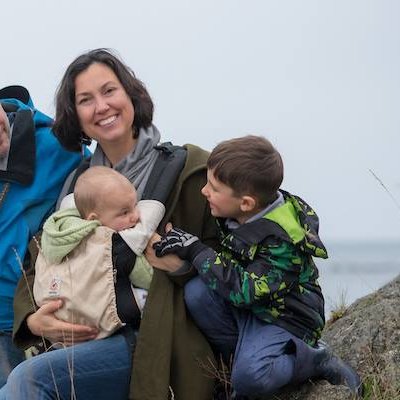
109	90
83	100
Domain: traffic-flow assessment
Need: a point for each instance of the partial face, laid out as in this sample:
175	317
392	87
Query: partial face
4	132
118	209
104	109
223	202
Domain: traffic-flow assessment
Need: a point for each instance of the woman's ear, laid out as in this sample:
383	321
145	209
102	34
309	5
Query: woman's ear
248	204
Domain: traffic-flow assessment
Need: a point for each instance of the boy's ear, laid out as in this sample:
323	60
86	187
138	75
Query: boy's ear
248	203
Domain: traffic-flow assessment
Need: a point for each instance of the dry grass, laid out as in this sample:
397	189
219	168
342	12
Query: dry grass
377	384
221	373
339	310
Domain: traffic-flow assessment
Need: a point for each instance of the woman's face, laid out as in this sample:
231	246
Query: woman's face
104	109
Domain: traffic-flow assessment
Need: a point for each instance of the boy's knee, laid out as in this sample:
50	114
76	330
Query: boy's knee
196	294
249	379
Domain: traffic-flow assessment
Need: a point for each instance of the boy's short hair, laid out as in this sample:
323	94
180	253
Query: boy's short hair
249	165
93	185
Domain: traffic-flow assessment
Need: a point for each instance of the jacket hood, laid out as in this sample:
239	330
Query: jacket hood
40	120
63	231
300	223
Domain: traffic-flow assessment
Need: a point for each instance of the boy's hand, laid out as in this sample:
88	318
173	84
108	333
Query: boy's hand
179	242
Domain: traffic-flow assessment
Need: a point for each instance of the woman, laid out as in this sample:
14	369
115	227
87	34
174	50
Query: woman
100	98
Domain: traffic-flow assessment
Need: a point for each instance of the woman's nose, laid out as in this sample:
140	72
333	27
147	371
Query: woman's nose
204	191
101	105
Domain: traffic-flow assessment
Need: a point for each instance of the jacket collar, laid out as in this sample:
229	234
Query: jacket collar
294	221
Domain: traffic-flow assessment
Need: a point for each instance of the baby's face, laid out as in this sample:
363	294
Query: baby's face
118	210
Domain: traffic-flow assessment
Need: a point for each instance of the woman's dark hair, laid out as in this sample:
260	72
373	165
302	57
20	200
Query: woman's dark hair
66	125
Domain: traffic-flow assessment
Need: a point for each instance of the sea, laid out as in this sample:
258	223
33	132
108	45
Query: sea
355	269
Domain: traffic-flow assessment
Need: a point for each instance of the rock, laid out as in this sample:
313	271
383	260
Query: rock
368	338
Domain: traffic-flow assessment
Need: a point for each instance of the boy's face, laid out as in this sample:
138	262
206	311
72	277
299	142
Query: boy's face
118	209
222	200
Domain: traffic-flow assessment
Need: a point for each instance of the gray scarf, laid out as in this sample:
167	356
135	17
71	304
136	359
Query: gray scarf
137	165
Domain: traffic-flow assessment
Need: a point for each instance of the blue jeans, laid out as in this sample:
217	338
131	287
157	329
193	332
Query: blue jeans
10	356
98	369
261	363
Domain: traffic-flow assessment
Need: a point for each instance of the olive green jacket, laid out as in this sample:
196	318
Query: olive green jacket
169	348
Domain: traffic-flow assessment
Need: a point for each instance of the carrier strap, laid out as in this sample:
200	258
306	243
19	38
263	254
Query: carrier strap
166	170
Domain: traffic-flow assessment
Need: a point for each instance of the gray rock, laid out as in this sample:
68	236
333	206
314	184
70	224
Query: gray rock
368	338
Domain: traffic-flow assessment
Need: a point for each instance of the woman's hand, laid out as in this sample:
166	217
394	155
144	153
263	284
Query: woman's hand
169	263
44	323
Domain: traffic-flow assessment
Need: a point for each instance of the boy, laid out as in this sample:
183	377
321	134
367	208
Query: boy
259	299
79	263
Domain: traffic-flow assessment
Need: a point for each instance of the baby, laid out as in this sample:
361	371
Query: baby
101	278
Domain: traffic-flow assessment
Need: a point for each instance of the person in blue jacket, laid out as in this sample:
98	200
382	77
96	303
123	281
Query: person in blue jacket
33	168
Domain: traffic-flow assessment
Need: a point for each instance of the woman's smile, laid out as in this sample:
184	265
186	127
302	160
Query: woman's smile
107	121
104	109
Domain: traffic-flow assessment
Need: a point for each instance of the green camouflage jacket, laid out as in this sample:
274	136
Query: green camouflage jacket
266	266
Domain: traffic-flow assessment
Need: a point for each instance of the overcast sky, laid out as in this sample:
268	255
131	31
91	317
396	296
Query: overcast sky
320	79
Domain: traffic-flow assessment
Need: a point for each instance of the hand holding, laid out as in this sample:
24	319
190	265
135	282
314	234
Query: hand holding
179	242
44	323
169	263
